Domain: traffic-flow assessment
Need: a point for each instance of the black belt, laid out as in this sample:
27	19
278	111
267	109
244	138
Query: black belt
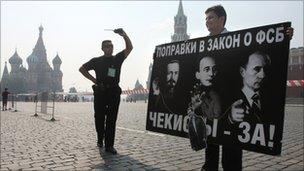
108	85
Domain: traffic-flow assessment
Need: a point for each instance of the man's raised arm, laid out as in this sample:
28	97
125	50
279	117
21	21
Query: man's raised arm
129	45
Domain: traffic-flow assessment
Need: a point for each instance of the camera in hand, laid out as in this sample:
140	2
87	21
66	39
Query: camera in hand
119	30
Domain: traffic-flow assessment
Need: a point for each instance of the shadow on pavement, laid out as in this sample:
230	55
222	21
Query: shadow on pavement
120	162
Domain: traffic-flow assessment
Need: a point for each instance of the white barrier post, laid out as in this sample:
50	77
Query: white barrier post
44	101
12	101
36	101
16	104
54	95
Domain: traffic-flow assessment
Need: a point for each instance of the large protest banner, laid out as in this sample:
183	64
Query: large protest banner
236	81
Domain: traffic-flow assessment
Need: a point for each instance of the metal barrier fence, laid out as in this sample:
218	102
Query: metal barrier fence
42	102
44	99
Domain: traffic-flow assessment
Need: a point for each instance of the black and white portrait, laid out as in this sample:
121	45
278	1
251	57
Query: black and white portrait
250	100
205	101
155	87
172	78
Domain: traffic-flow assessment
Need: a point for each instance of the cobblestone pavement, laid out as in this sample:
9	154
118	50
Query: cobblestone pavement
69	143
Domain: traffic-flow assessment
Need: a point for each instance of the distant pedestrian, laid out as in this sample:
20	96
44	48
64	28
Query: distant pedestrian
106	89
5	94
36	98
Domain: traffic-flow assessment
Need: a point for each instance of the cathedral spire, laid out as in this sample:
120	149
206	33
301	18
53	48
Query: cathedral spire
138	85
40	30
5	71
180	11
39	49
5	77
180	25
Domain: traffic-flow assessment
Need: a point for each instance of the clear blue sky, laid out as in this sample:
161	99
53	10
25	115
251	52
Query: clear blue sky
75	29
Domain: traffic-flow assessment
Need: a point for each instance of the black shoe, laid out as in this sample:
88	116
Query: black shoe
111	150
99	144
204	168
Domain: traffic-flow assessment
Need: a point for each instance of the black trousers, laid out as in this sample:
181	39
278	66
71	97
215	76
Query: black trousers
211	157
4	104
106	103
231	158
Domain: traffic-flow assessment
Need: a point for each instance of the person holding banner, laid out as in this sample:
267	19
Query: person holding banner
106	89
215	23
231	156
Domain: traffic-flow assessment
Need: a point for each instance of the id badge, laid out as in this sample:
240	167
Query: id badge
111	72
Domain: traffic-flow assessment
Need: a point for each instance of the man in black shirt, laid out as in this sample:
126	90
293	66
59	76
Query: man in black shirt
106	89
